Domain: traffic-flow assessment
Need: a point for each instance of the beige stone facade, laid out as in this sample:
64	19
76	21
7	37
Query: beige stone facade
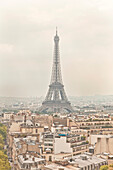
104	144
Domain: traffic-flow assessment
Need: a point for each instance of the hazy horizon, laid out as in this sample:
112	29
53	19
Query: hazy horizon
27	31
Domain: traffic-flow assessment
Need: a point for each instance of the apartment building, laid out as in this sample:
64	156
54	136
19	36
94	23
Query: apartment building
29	162
63	144
79	162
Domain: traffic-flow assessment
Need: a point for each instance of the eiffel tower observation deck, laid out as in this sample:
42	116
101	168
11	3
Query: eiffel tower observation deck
56	99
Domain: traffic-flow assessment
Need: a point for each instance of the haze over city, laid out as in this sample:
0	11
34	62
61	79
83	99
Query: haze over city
27	30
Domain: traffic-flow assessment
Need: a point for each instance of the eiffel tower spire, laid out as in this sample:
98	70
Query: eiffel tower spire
56	99
56	70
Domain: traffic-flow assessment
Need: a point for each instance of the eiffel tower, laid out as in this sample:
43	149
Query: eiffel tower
56	99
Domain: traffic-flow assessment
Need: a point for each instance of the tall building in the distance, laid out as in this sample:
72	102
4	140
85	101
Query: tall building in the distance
56	99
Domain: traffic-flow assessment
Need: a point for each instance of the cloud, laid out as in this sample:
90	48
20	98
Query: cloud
26	46
6	48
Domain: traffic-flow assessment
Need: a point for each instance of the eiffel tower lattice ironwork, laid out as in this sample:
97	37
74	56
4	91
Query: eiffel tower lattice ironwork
56	99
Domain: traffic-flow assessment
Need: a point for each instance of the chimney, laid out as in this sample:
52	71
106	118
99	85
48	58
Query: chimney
33	158
25	119
24	155
76	165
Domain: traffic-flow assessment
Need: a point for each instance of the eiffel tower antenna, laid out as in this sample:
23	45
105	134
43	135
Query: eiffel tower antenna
56	99
56	30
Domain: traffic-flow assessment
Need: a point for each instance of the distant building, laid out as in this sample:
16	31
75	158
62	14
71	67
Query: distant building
7	115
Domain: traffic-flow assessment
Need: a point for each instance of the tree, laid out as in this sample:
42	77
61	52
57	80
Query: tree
1	139
4	163
104	167
3	131
111	165
1	146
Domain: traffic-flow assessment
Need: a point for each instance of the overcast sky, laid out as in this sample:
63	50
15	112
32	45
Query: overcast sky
27	29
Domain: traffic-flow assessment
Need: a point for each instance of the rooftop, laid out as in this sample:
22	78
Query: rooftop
29	159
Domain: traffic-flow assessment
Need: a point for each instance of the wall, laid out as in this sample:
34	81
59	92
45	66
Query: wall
93	138
60	145
104	145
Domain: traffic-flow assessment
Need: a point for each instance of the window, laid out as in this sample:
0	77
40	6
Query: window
50	158
27	166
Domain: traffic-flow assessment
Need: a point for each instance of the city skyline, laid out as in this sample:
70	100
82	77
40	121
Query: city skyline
26	49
